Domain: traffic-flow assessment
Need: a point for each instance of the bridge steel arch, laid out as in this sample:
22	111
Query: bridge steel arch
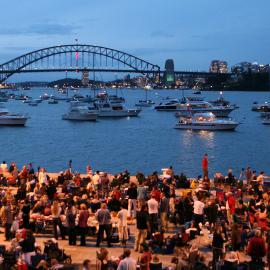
19	64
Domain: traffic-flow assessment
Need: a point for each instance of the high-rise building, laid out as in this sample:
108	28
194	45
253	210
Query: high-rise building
85	78
169	75
218	66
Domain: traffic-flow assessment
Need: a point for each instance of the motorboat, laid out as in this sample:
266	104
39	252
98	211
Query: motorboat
204	106
265	114
145	103
11	119
45	96
116	99
221	101
197	92
34	102
205	121
80	112
170	105
52	101
261	107
266	119
21	97
107	109
81	98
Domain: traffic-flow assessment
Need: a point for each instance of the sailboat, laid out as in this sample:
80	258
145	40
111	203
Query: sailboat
145	103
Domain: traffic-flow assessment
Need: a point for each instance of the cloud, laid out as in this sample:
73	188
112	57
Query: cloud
161	33
41	29
152	51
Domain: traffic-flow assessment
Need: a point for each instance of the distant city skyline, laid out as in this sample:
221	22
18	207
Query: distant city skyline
192	32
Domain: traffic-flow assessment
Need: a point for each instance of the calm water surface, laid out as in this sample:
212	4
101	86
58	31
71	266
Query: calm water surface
146	143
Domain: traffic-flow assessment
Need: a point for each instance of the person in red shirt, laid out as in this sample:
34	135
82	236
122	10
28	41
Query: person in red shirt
256	247
205	166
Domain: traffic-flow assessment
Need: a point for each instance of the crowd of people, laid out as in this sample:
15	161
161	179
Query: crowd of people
168	213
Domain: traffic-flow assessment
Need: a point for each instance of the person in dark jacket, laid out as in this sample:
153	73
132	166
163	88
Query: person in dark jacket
70	214
217	245
26	214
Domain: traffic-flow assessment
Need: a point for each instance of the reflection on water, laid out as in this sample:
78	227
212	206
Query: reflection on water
206	137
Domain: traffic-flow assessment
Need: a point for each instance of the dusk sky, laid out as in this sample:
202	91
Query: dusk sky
192	32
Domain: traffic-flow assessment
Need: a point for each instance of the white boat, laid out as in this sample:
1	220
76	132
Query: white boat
261	107
266	119
205	121
170	105
34	102
221	101
80	112
204	106
107	109
146	102
11	119
52	101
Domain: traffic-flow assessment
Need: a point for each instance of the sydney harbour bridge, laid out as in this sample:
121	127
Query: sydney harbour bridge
80	57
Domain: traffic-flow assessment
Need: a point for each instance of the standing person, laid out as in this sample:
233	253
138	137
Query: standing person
7	219
153	214
42	176
256	248
142	218
217	245
164	209
26	214
127	263
82	223
70	214
198	213
132	200
104	219
205	166
56	213
122	224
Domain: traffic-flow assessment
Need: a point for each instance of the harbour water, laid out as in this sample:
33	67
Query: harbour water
145	143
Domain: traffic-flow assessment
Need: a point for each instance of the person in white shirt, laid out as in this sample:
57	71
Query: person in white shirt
122	225
4	167
198	212
42	176
153	214
127	263
96	179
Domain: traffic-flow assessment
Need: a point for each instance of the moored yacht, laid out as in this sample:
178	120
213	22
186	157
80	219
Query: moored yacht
11	119
107	109
170	105
262	107
204	106
205	121
80	112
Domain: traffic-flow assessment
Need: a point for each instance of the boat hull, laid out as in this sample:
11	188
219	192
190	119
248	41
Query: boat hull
216	112
81	117
124	113
13	121
207	126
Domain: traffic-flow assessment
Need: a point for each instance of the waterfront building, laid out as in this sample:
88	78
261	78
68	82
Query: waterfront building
169	75
85	78
254	67
218	66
